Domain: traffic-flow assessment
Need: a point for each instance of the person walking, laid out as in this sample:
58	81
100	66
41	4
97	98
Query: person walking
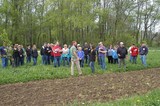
122	52
74	58
143	51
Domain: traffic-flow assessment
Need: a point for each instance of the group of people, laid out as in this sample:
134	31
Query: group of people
16	55
75	54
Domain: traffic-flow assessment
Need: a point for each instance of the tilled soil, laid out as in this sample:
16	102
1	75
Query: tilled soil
98	88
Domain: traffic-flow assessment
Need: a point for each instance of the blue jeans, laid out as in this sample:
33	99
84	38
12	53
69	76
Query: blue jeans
21	61
143	59
34	61
43	59
131	58
86	57
65	59
81	62
47	57
4	62
57	61
102	62
92	66
52	59
134	59
28	58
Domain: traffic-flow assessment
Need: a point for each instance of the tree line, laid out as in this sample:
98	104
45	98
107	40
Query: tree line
110	21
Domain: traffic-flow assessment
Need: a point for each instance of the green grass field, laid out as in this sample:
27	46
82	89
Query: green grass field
29	73
152	98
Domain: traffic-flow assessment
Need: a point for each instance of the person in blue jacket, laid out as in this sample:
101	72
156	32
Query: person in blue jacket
143	51
115	55
3	55
80	54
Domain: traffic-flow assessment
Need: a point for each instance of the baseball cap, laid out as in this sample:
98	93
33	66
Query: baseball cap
121	43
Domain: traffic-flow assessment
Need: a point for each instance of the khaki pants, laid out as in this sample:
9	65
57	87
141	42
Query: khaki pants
77	65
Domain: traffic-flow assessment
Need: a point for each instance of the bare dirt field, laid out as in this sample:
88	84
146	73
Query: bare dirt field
91	88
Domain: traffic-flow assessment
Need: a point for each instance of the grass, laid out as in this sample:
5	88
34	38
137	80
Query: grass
29	73
150	99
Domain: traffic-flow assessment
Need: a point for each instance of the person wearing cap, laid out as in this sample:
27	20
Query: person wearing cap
122	52
143	51
102	56
86	50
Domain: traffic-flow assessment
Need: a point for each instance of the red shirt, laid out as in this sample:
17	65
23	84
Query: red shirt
52	53
56	50
134	51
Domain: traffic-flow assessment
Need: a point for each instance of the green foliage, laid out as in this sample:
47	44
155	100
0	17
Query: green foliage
4	38
38	21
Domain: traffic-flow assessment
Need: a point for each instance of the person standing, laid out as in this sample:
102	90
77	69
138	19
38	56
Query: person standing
143	51
65	52
109	52
134	53
74	58
21	55
28	53
57	54
80	54
92	58
122	52
34	54
115	55
10	55
86	50
48	50
130	53
16	55
3	55
43	53
102	55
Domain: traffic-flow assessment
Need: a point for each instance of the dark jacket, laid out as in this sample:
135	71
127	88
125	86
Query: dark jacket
15	53
21	53
143	50
47	51
122	52
42	50
28	52
92	56
3	51
86	50
34	53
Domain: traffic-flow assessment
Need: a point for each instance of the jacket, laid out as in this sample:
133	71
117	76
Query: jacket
122	52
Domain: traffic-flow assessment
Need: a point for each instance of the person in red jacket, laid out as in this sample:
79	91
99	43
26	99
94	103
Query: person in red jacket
134	53
57	50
